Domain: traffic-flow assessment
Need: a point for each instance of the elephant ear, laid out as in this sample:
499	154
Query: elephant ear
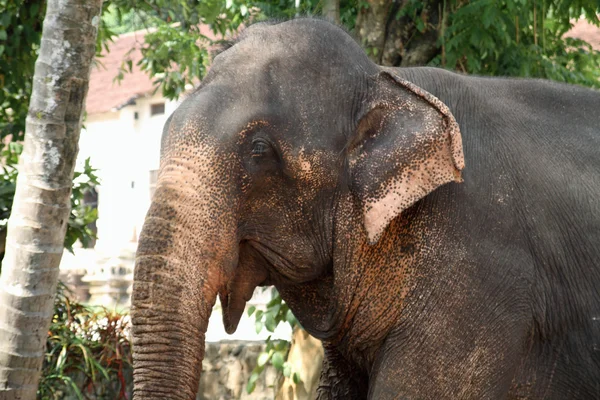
406	144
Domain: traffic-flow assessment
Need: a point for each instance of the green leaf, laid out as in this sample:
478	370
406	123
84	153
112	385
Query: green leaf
60	361
252	381
282	345
251	310
277	360
73	386
263	358
275	309
290	317
258	325
287	369
488	16
275	298
420	25
270	323
296	378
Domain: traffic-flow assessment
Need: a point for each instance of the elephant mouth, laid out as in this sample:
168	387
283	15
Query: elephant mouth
249	274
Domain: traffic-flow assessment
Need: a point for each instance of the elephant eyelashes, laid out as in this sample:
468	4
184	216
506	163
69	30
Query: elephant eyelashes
260	148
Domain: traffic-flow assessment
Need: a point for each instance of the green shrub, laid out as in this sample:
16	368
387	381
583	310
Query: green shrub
88	353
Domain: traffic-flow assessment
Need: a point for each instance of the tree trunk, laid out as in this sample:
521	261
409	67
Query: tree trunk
306	359
371	24
395	34
41	207
331	10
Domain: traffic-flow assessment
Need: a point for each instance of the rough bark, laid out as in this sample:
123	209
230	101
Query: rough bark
390	33
331	10
38	222
371	24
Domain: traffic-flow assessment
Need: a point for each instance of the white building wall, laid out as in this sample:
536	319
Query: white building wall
124	150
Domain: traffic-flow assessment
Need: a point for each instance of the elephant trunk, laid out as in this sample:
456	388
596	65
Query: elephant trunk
182	262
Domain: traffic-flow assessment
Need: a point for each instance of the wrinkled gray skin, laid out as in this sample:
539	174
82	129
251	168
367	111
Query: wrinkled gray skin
300	163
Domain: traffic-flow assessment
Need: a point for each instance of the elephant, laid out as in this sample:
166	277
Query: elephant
438	232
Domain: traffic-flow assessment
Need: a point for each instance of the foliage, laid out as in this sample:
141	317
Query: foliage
23	25
174	59
88	353
118	22
486	37
520	38
176	54
8	179
81	214
275	354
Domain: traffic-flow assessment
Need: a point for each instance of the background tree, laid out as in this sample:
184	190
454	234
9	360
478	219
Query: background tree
487	37
22	23
40	212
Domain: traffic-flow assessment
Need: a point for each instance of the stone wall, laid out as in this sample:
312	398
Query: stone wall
226	369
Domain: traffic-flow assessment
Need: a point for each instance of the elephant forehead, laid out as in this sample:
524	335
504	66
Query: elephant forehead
304	78
306	55
294	40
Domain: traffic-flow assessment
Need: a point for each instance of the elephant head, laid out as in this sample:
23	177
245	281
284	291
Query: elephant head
294	146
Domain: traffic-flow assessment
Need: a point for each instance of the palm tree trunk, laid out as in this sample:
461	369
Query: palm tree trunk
38	222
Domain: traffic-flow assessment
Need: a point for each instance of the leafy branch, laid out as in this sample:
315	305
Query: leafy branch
276	351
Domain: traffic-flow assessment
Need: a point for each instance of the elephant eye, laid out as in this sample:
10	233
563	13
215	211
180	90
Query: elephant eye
259	148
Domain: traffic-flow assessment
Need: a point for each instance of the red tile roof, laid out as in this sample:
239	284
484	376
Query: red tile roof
584	30
105	93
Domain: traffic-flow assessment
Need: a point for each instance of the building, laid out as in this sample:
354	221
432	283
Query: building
584	30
